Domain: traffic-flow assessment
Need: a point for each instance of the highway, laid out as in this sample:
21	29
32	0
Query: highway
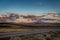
26	32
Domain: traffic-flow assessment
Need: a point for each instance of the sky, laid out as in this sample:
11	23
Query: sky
29	6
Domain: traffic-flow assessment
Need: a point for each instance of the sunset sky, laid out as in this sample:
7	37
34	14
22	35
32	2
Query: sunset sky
29	6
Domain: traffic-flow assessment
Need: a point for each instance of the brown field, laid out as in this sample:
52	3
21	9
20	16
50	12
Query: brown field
11	25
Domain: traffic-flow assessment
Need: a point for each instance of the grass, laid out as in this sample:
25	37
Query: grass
13	30
10	27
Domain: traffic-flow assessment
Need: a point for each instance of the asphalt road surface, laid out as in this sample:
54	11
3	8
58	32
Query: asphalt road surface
26	32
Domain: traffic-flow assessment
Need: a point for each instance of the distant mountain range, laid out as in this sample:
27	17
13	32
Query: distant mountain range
12	17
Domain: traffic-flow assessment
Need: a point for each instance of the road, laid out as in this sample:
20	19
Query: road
26	32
